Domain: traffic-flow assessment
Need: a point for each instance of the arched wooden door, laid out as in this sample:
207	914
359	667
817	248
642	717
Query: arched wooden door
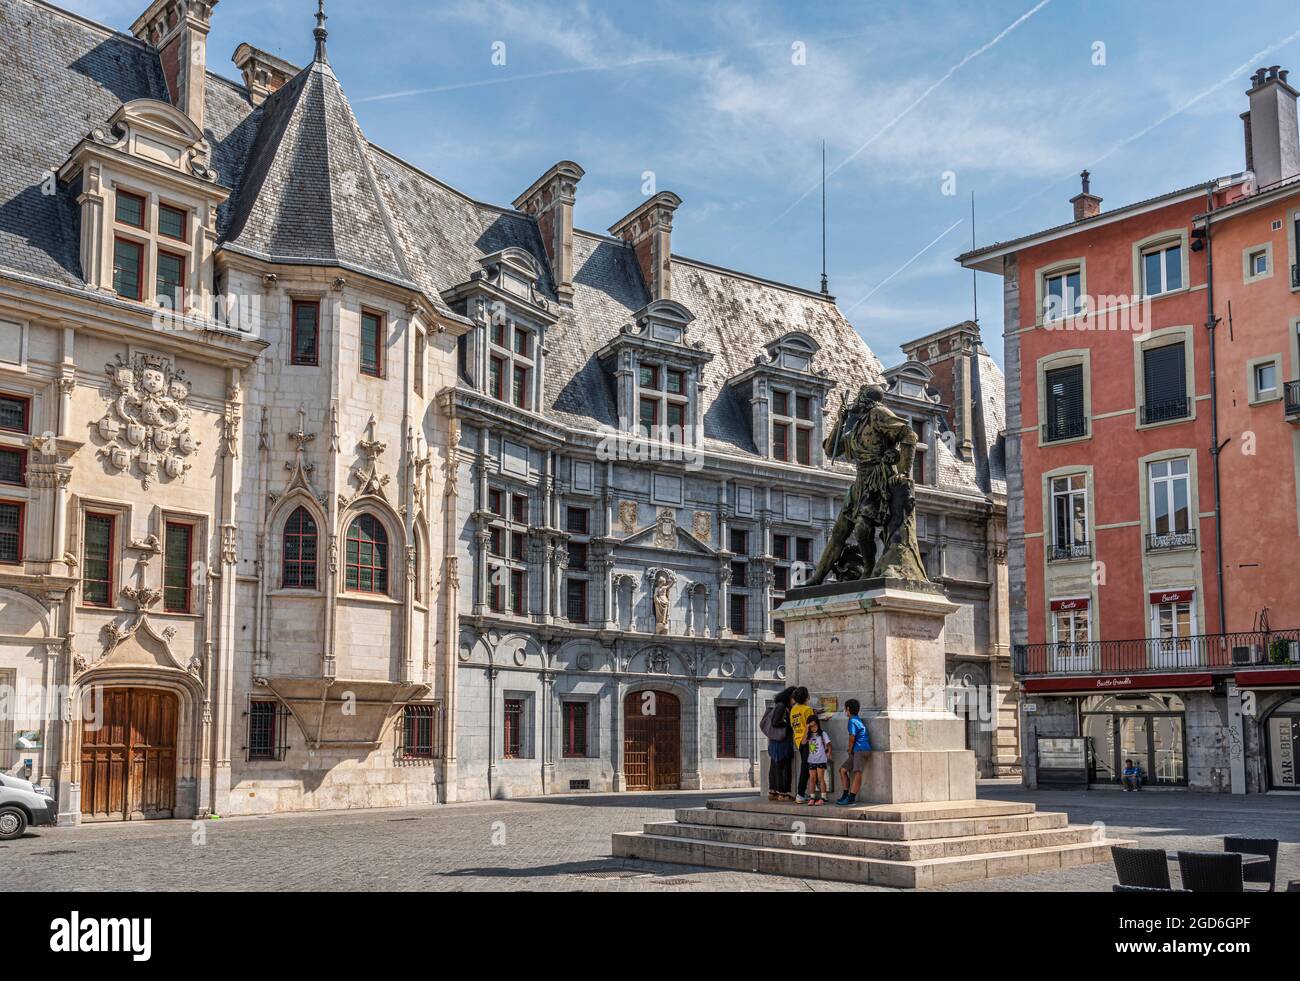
652	741
128	757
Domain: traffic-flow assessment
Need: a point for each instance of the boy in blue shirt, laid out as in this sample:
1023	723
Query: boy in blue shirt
1132	776
855	764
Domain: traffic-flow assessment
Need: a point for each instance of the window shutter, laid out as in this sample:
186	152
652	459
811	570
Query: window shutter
1065	400
1165	373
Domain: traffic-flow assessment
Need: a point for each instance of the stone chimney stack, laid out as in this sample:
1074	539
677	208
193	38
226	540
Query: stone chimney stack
1086	204
263	72
550	200
649	230
178	31
1272	139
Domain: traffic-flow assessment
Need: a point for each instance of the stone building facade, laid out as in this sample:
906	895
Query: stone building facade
325	485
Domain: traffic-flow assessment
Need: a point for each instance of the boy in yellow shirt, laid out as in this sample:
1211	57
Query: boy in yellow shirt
800	713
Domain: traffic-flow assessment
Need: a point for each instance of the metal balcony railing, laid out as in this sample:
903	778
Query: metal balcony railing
1295	276
1201	652
1166	410
1171	540
1292	398
1060	429
1074	550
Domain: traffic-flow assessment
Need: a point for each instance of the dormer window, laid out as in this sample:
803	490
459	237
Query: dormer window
172	222
143	226
792	427
663	403
511	364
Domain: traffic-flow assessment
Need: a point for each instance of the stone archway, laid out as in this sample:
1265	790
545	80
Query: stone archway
652	740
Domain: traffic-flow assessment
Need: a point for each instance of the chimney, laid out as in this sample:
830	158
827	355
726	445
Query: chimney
649	230
1086	204
1272	139
550	201
263	72
178	31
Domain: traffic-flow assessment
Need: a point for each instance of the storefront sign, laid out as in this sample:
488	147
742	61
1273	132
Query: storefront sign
1122	682
1172	596
1065	605
1282	678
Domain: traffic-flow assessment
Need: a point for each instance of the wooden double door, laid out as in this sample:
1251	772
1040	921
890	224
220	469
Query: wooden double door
652	741
128	757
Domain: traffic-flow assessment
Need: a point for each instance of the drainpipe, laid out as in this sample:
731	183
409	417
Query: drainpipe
1211	325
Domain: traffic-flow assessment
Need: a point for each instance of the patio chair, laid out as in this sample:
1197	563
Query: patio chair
1211	871
1142	889
1265	872
1141	867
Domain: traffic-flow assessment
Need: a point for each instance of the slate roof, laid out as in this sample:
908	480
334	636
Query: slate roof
309	188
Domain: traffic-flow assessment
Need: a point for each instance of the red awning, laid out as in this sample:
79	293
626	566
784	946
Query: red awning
1100	684
1062	605
1173	596
1280	678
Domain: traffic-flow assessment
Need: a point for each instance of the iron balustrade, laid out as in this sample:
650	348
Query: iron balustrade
1166	410
1293	398
1200	652
1072	428
1075	550
1295	276
1171	540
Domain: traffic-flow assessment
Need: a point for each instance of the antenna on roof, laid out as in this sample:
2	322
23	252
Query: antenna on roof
826	291
320	33
974	276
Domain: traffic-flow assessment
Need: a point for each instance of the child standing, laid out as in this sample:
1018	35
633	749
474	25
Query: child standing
855	764
800	713
819	754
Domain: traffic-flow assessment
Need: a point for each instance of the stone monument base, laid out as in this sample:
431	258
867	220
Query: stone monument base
906	846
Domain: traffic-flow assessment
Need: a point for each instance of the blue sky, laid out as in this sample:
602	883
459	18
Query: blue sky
1000	98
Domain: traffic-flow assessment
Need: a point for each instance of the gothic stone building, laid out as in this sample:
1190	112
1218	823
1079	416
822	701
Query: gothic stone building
324	485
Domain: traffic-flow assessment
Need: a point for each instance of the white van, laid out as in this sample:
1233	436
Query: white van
22	803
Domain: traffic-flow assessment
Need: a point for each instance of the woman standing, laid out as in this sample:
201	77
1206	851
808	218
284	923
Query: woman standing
780	746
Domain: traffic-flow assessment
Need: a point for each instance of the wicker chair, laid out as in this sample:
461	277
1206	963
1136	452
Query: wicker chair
1141	867
1211	871
1265	872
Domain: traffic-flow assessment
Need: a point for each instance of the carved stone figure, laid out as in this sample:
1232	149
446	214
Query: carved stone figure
662	598
881	504
666	529
148	419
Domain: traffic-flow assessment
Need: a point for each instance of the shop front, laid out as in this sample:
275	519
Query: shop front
1276	695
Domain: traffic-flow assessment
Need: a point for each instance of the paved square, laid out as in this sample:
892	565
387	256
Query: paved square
557	843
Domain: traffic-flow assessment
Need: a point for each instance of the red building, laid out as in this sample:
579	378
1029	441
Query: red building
1148	572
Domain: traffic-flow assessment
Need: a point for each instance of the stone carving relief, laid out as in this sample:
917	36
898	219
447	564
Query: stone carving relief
661	595
148	423
627	515
702	526
370	482
666	529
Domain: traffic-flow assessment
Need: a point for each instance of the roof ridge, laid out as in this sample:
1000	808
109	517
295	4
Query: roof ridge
86	21
713	267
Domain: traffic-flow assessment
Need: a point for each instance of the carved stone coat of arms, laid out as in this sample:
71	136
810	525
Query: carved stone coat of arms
148	422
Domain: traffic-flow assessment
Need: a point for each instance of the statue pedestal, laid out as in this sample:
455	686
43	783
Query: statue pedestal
882	642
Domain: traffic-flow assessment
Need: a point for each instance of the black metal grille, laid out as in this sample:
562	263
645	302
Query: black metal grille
421	733
1166	410
1198	652
1070	427
1293	398
1171	540
1295	276
268	730
1063	553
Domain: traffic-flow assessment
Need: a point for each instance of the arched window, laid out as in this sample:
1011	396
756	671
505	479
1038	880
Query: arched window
367	556
300	542
415	556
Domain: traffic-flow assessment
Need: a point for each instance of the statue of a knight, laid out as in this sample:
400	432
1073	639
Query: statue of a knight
881	504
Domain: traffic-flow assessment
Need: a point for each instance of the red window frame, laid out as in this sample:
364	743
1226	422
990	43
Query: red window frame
803	446
654	416
185	222
653	384
294	356
20	551
139	278
577	521
676	382
518	592
417	731
26	404
85	564
676	419
144	209
494	543
803	408
377	567
575	730
519	386
739	614
496	502
578	555
22	466
496	596
739	541
496	378
727	718
377	354
781	441
304	534
518	545
168	591
803	550
157	278
519	509
512	743
576	594
523	342
781	403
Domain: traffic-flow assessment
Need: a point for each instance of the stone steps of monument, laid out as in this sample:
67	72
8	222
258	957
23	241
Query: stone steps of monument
895	851
806	864
826	821
933	811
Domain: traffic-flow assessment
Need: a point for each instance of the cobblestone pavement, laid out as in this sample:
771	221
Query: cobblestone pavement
559	843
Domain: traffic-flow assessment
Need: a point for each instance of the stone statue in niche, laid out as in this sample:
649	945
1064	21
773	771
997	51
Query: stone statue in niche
881	504
661	597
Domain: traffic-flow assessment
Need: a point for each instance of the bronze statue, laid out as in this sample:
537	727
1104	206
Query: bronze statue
881	504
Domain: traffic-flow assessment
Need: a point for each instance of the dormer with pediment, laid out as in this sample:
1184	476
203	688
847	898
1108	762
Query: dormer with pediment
657	372
910	393
149	198
786	392
504	356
